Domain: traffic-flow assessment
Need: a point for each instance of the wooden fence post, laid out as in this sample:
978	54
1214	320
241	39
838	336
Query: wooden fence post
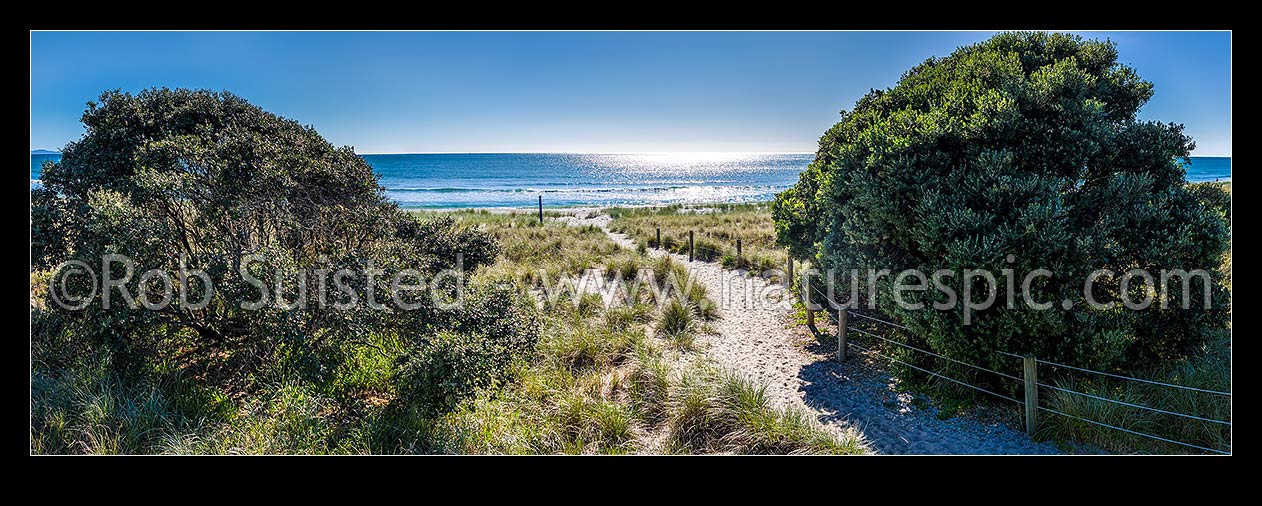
841	334
659	238
1030	366
541	209
738	249
690	246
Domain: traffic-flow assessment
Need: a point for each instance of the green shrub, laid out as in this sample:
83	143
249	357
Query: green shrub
202	179
473	348
448	368
1027	145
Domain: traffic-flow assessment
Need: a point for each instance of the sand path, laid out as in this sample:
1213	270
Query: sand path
758	338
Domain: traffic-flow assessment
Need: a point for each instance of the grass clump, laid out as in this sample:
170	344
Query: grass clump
648	385
678	325
582	344
91	409
674	281
718	411
290	419
624	265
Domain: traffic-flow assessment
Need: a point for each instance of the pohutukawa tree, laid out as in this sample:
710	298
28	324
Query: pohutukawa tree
198	180
1027	145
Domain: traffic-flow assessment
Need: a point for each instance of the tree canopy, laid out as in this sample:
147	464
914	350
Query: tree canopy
1026	144
201	180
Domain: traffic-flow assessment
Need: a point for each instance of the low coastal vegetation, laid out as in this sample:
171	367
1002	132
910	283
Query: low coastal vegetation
619	378
715	228
1023	152
513	369
600	379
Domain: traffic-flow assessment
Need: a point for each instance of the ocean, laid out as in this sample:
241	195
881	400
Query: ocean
517	180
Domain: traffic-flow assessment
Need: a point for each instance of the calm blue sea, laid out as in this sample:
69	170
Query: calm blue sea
516	180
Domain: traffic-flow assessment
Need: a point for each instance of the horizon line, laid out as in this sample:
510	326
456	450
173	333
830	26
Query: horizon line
592	153
58	151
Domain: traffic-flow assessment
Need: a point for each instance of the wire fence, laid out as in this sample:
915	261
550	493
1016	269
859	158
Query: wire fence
1027	380
1034	406
1140	380
1134	432
937	375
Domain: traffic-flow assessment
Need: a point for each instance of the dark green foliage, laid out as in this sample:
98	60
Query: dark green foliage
447	368
1026	144
48	239
201	179
1215	197
500	313
442	240
494	327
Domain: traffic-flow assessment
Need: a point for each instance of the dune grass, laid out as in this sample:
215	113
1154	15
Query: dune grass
532	253
600	383
678	325
90	410
565	400
601	380
716	227
1210	368
676	282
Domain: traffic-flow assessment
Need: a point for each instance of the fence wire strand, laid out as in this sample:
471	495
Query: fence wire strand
873	318
926	371
1171	385
1159	438
832	303
927	352
1140	406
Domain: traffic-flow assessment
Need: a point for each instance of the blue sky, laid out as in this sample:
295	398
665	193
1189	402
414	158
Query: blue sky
414	92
